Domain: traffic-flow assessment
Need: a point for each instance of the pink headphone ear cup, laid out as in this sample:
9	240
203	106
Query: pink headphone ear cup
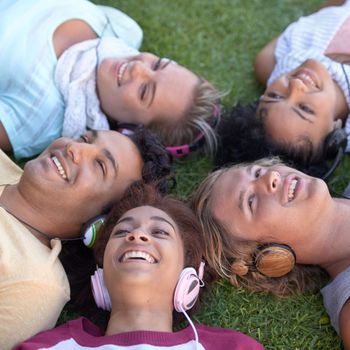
187	290
100	291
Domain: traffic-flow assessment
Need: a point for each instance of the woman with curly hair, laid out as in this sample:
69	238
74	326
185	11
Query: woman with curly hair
302	115
151	253
271	228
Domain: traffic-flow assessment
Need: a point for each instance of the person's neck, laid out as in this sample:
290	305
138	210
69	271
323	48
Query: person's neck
127	318
16	205
335	251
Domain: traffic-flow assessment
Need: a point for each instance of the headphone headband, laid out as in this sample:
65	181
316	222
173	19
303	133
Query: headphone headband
334	148
185	149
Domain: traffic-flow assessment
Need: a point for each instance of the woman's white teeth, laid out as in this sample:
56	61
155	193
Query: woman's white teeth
59	167
291	189
306	78
138	255
121	72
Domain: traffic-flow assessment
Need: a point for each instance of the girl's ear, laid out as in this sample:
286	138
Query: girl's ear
337	124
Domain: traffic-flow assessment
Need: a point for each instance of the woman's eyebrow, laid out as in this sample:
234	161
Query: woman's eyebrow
153	86
159	218
263	112
127	219
240	200
156	218
243	192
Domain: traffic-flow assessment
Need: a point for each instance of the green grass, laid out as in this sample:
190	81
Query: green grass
219	40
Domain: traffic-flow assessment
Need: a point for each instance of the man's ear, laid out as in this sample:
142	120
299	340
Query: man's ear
337	124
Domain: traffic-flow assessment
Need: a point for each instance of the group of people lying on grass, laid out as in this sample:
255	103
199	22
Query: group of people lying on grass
103	111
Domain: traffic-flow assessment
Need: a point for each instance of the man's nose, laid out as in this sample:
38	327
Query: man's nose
79	151
271	180
296	86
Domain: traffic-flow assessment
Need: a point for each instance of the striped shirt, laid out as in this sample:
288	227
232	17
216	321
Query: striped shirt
308	38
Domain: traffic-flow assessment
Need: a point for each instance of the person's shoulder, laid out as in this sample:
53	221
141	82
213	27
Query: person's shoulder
227	338
72	328
51	337
335	295
10	172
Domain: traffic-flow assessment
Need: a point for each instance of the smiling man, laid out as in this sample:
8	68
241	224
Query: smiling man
69	183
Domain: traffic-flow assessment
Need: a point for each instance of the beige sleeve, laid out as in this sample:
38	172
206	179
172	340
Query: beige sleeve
27	308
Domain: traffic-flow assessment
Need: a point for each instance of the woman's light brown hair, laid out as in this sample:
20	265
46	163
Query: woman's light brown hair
232	258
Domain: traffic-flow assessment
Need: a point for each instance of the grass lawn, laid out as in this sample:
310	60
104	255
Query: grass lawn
219	39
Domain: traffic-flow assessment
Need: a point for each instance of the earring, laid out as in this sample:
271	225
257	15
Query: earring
239	267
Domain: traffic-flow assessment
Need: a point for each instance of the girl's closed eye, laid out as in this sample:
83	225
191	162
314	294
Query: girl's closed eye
160	232
120	232
273	95
306	108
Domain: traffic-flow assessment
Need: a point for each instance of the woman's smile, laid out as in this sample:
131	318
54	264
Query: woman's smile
137	256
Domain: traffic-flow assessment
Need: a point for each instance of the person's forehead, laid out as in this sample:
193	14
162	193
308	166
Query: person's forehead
180	75
112	140
272	110
274	116
175	89
146	212
126	154
226	185
106	136
300	134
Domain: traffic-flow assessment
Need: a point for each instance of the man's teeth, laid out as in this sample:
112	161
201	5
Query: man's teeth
121	72
138	255
306	78
59	167
291	189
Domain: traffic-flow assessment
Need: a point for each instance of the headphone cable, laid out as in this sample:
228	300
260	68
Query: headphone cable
192	325
335	164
